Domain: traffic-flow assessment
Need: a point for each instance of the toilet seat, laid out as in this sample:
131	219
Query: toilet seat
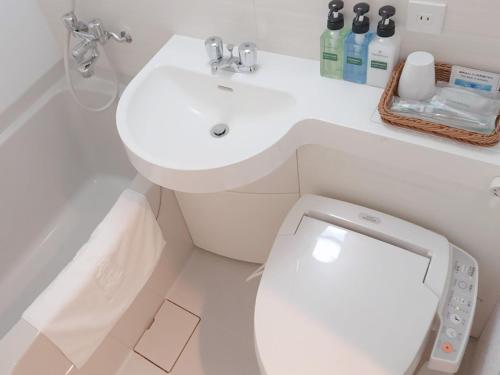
334	300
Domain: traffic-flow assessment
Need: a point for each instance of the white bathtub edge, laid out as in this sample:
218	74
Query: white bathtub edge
22	336
15	344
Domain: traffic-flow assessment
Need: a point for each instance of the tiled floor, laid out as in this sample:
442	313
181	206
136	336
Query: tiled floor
136	365
213	288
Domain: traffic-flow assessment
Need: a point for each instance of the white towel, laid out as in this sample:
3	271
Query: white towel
81	306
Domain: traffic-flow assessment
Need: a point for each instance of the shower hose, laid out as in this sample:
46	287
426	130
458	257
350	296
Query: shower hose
70	82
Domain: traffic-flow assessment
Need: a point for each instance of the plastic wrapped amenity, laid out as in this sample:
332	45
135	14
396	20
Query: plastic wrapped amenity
454	107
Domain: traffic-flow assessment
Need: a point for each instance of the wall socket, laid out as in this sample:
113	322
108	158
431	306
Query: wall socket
425	16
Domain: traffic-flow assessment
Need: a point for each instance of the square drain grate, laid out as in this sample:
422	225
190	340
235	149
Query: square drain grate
163	343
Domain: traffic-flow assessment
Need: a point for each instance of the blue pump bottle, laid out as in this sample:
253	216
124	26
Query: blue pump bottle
356	46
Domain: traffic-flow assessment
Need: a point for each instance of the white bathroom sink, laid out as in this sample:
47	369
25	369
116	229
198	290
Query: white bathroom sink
185	120
166	114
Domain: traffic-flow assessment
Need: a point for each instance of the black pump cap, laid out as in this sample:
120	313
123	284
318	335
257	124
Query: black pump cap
386	27
361	23
335	19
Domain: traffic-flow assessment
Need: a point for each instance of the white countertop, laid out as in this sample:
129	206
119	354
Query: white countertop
328	112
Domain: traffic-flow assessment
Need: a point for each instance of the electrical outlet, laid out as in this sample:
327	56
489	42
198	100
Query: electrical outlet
425	17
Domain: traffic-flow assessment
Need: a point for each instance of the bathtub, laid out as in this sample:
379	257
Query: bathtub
61	169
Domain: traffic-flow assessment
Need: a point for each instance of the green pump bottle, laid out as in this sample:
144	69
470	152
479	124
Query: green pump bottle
332	42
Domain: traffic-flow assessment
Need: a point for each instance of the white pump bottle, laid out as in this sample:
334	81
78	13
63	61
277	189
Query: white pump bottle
383	51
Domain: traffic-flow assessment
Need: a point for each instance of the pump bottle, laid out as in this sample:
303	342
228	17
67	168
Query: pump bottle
332	42
383	51
356	46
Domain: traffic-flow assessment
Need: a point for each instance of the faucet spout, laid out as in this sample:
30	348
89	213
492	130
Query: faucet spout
83	49
86	68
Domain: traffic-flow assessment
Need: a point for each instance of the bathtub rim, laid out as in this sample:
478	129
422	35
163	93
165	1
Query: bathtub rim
22	336
42	92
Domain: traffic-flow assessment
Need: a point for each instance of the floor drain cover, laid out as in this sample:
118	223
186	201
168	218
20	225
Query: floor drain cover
219	130
164	342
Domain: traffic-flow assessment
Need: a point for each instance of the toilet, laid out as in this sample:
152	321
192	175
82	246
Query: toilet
351	291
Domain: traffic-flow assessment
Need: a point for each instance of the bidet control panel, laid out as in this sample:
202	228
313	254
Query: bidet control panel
456	312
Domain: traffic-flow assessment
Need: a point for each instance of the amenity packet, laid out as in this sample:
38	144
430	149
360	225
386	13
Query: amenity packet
455	107
468	100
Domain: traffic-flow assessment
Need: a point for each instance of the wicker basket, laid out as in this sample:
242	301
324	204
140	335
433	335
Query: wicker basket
443	72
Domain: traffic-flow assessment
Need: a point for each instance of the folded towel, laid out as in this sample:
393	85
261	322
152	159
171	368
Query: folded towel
81	306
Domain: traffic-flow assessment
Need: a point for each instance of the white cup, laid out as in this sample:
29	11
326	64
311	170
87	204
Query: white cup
418	79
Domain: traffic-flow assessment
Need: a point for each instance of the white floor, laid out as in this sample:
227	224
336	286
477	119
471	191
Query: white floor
213	288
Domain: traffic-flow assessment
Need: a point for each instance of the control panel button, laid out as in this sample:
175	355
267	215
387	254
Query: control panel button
460	267
455	318
447	347
471	270
451	333
458	310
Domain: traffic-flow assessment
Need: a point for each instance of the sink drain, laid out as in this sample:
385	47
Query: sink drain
219	130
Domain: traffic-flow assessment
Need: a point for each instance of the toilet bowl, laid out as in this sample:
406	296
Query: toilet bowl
348	290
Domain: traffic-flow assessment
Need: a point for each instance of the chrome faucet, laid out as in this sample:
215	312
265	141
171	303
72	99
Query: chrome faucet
245	62
89	35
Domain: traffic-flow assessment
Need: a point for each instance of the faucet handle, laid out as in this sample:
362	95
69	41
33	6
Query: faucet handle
214	47
70	21
73	24
248	54
96	28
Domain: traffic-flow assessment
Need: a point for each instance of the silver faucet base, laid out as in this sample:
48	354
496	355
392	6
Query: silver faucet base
245	62
231	66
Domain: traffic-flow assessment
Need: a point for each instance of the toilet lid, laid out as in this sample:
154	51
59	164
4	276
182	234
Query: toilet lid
335	302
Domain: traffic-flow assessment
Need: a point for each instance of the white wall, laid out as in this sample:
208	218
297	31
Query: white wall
471	36
451	201
486	358
28	48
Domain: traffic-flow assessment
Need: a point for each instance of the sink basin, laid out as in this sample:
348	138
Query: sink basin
191	131
188	121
